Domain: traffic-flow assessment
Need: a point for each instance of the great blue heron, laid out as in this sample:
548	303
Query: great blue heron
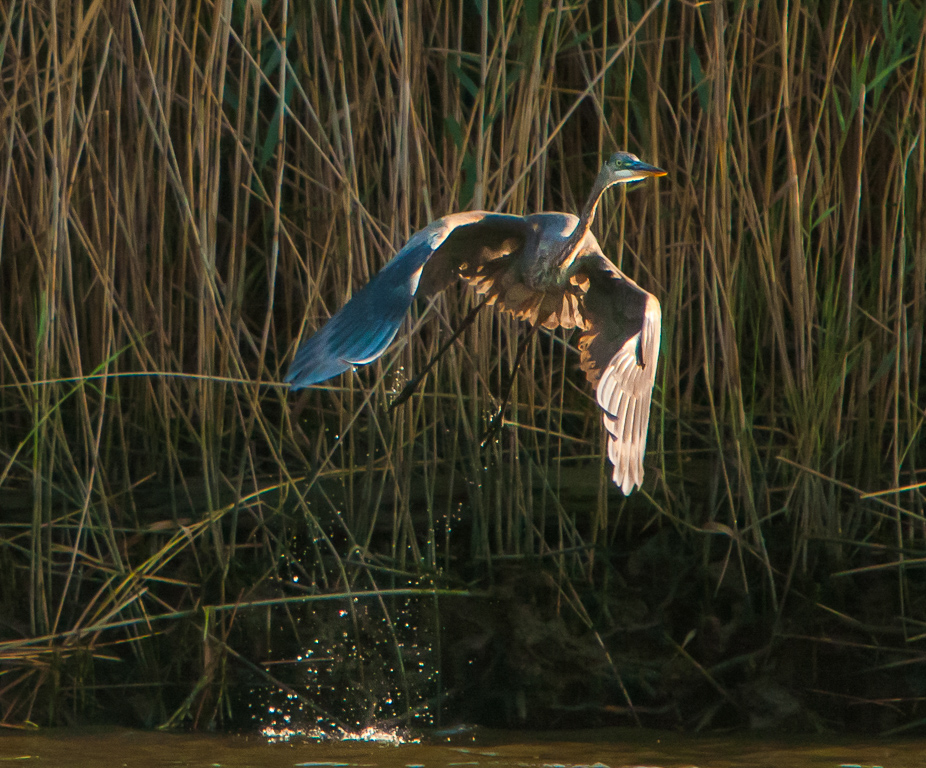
546	268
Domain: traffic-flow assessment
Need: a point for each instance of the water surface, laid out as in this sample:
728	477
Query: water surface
599	748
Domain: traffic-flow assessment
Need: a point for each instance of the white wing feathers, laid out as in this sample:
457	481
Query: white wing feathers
625	392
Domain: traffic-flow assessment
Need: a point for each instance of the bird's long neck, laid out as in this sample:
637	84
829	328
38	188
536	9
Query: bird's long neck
571	247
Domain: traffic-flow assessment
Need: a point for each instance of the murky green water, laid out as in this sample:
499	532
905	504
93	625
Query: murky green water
600	749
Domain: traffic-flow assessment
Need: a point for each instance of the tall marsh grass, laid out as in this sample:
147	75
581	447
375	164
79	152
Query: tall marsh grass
188	189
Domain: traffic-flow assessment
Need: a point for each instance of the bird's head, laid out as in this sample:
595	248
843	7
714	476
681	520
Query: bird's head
623	167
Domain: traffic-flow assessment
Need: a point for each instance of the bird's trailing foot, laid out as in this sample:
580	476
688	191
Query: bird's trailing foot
496	422
409	389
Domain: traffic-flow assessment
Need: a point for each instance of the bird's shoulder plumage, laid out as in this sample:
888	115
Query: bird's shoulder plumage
511	260
463	242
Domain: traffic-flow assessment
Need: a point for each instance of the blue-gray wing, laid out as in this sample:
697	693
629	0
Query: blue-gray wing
364	327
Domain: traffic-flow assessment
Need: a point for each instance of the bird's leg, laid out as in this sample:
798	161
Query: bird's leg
496	422
409	389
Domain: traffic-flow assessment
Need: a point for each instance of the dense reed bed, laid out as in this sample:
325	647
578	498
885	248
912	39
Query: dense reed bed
186	190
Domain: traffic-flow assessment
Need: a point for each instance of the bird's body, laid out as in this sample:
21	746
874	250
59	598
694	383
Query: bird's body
545	268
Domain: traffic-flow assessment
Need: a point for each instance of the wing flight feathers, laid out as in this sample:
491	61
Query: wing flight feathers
366	325
619	351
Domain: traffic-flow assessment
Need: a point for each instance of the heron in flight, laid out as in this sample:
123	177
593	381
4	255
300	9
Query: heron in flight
545	268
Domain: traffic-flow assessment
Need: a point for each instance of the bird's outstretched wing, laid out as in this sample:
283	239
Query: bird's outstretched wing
619	350
364	327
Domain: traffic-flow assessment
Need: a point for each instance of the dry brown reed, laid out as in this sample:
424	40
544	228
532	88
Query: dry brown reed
178	209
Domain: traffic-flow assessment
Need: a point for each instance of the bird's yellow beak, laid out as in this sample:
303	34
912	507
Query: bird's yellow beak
645	169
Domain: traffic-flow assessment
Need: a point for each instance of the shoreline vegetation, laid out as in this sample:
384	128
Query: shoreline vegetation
188	189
